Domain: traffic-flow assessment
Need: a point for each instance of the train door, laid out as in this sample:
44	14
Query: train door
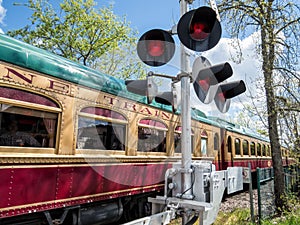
217	148
226	150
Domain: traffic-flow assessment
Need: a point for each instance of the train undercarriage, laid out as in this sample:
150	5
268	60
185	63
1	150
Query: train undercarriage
110	212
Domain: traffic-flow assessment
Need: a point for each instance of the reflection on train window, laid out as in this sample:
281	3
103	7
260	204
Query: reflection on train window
24	96
204	140
105	131
177	139
237	146
27	127
245	148
151	136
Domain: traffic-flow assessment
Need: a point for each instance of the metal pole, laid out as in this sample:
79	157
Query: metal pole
258	195
185	116
186	159
251	194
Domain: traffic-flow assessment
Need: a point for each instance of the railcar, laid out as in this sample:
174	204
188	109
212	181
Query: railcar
77	148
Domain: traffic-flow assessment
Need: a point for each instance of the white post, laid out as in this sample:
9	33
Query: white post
186	159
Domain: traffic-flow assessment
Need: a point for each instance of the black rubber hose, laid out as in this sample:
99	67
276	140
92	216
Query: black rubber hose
192	221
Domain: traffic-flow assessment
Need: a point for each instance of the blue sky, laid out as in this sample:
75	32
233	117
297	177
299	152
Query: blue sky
143	15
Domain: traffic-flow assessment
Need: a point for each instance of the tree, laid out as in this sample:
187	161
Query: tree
278	24
80	32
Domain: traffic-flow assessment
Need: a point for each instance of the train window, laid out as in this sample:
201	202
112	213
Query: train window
245	148
101	129
258	149
177	139
27	127
204	140
267	150
263	150
23	126
216	142
24	96
152	136
237	146
252	149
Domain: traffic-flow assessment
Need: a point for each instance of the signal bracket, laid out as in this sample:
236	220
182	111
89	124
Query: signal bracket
152	74
174	79
181	75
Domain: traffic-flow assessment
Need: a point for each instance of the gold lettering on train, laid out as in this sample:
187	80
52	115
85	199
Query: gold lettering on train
133	107
10	71
130	106
58	86
146	110
111	100
165	115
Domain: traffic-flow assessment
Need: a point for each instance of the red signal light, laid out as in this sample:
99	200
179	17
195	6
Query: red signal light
204	84
220	97
207	77
199	31
155	48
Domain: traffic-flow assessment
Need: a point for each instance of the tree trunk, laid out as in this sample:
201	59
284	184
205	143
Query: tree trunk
268	62
279	186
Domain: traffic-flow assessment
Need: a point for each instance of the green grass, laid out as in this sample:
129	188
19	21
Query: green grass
238	216
242	217
286	219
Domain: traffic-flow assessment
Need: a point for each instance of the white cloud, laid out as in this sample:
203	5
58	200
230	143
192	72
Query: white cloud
2	12
2	15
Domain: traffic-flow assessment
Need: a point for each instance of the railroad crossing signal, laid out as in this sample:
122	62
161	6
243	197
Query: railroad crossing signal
207	79
198	30
148	87
145	87
227	91
156	47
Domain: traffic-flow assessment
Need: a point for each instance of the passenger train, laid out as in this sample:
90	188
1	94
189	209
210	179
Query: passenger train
77	148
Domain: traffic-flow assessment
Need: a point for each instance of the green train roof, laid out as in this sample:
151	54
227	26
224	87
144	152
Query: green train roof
25	55
28	56
238	129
